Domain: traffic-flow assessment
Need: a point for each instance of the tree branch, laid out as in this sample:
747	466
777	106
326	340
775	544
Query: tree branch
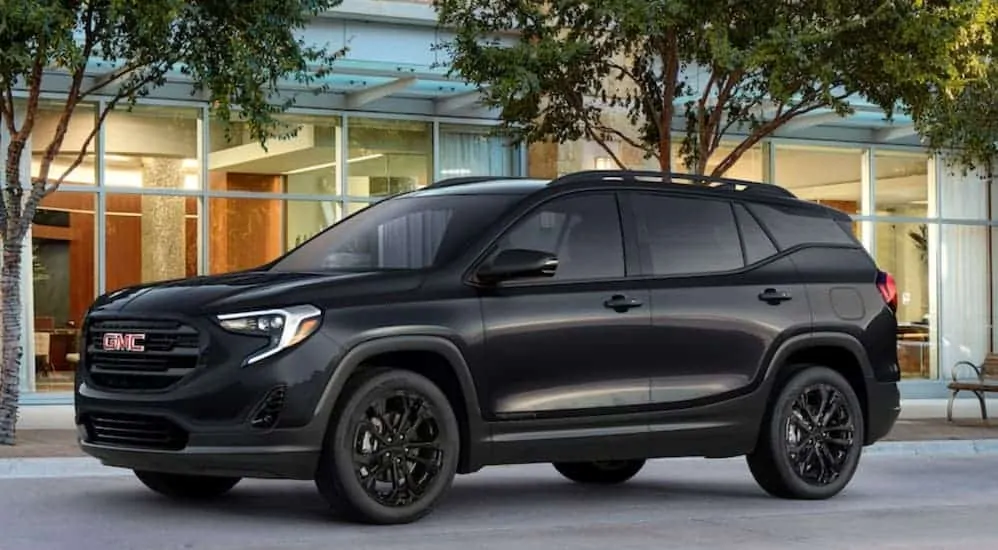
71	102
669	50
645	98
767	128
104	81
7	108
602	143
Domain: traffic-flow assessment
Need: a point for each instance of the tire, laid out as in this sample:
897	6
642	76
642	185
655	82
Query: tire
600	473
799	475
186	487
339	481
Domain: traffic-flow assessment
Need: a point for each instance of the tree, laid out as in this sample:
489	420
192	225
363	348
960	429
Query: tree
963	125
236	53
623	70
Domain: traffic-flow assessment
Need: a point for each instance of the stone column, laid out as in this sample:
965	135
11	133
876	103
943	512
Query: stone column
164	248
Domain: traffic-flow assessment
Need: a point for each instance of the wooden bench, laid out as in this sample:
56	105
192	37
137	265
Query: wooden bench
986	380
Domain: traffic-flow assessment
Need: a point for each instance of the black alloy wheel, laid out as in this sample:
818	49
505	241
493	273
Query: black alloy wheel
812	438
392	451
820	433
601	472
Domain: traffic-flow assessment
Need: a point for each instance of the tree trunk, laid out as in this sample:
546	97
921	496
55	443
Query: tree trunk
10	288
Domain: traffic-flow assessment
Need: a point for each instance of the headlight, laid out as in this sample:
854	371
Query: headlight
286	327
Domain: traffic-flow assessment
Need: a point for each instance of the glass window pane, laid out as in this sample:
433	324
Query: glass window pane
901	187
965	196
965	310
354	207
244	233
758	245
306	219
305	163
150	238
681	235
829	176
582	230
750	166
902	250
474	151
65	282
153	147
81	124
387	157
402	233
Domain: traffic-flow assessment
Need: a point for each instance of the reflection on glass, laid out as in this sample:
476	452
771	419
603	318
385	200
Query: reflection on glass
902	250
474	151
387	157
305	163
153	147
829	176
150	238
81	125
62	250
750	166
245	233
901	187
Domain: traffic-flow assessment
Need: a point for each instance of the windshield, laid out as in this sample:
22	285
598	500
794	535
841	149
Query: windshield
409	232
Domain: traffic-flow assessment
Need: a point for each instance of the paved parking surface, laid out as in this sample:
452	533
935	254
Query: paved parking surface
894	502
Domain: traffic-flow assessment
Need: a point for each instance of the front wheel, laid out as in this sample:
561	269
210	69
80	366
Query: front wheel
608	472
186	487
392	448
811	440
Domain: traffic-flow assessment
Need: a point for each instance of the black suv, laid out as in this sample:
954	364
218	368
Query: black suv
592	321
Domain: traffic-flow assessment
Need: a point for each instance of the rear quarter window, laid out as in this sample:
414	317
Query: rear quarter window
792	226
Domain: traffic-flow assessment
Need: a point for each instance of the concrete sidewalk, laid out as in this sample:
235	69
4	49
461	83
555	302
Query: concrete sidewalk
48	431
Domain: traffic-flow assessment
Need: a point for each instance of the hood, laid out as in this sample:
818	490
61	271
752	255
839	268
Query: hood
254	289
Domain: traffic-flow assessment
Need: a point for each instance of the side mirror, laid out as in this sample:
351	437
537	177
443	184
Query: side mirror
517	262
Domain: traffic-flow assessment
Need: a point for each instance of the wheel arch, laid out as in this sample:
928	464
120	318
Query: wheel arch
434	357
840	352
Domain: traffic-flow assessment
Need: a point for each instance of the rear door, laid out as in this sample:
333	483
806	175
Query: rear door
720	296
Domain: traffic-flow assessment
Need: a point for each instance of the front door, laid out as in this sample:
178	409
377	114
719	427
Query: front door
577	341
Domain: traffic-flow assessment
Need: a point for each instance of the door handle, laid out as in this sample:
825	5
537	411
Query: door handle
774	296
621	303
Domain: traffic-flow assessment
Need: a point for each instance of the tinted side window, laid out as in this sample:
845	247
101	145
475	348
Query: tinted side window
686	235
758	246
582	230
791	227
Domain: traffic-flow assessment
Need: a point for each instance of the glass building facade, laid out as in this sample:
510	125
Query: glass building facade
166	191
171	193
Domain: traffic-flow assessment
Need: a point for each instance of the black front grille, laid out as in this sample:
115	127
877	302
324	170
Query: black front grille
170	351
132	430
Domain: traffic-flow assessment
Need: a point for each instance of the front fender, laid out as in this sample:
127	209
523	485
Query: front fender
474	443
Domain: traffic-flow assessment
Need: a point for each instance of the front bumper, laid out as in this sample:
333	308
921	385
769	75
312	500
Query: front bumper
883	408
223	418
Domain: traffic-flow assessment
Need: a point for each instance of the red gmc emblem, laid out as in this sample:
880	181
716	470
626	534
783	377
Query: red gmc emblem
116	341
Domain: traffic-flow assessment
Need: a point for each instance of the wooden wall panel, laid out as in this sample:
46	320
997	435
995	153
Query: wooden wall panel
245	233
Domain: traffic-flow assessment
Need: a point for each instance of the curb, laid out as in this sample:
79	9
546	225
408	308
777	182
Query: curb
933	447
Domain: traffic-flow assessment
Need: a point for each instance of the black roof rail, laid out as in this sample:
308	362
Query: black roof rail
675	178
464	180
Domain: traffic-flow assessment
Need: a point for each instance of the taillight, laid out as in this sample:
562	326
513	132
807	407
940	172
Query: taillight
889	290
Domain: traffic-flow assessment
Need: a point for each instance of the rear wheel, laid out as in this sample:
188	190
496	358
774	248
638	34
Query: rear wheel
812	437
605	472
392	448
186	487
